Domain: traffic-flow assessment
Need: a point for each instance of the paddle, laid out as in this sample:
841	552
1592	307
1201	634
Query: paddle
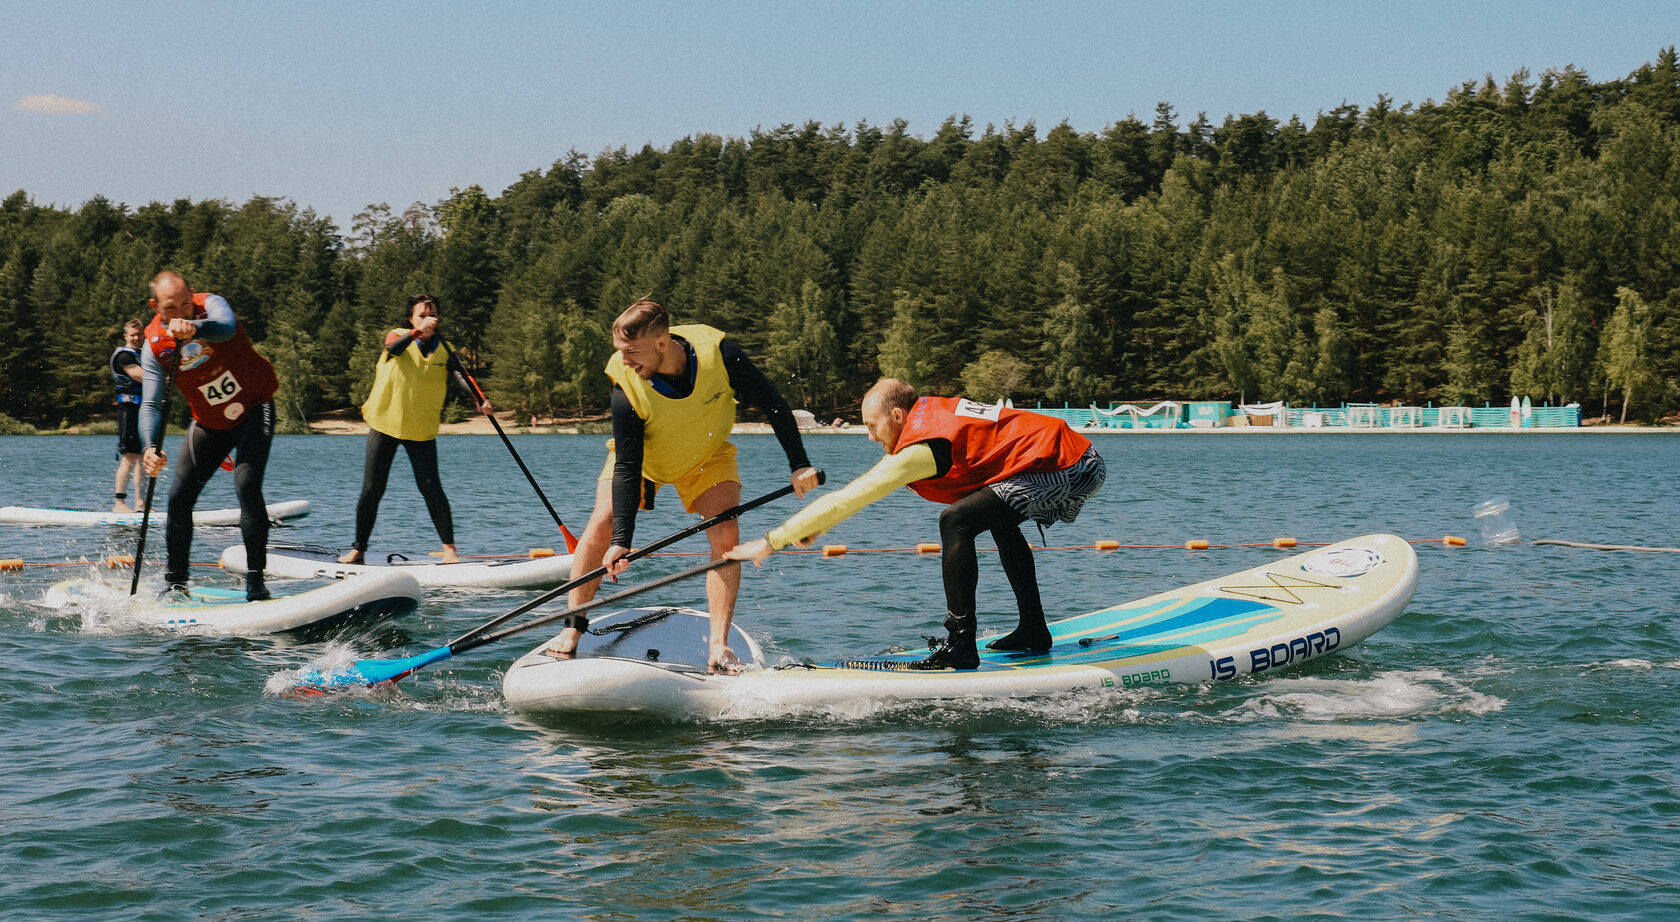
571	540
370	672
375	671
151	482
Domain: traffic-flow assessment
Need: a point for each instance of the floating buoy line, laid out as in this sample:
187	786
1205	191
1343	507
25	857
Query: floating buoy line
117	561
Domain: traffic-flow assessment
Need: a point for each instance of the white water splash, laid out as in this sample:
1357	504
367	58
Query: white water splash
1415	693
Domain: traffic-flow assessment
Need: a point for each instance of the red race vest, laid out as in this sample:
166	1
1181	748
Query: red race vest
221	381
988	444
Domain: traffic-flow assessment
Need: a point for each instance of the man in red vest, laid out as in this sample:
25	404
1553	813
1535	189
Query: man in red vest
230	389
994	467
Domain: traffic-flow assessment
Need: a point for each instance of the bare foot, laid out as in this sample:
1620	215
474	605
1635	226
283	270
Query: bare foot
449	555
723	661
121	507
350	556
565	645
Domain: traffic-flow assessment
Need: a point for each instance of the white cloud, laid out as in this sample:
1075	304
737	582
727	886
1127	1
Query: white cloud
52	104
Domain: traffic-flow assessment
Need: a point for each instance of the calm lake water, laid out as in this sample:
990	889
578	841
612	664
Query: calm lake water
1508	749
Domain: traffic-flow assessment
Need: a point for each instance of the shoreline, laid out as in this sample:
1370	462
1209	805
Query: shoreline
481	426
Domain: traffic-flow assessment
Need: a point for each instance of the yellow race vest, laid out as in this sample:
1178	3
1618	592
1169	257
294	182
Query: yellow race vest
679	435
407	396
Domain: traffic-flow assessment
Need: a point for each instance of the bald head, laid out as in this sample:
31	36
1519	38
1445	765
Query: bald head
171	295
885	407
889	393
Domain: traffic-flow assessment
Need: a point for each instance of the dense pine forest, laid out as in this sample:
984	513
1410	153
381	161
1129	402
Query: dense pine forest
1515	238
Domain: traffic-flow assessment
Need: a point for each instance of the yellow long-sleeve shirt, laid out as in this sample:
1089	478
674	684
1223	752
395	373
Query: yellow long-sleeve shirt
915	462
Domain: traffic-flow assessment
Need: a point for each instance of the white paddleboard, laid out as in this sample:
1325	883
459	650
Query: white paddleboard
217	610
306	562
1258	621
30	515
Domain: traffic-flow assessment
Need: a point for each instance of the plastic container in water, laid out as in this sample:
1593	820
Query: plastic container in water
1494	516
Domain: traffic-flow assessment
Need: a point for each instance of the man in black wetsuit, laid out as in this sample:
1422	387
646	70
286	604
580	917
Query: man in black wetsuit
126	376
673	406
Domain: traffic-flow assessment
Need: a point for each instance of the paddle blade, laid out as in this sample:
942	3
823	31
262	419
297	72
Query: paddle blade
370	671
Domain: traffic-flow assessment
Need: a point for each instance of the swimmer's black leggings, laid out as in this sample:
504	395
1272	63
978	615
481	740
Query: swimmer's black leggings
202	451
959	524
376	469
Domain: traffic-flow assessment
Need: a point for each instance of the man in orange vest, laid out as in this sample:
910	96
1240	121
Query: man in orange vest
994	467
230	389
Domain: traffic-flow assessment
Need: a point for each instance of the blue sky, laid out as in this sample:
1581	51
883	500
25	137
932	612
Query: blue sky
339	105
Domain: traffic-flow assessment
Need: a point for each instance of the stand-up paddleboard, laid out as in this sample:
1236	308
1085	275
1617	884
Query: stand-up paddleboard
28	515
215	610
311	562
1271	617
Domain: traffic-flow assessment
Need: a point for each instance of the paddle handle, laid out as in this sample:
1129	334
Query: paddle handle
595	574
571	539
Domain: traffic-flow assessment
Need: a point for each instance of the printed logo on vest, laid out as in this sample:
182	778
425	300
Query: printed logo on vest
221	390
194	354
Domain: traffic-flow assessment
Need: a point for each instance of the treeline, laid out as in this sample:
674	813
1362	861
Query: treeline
1519	238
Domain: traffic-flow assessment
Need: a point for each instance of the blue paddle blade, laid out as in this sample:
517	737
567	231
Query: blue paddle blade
371	671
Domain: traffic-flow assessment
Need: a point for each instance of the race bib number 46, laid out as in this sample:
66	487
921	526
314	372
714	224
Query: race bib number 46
221	390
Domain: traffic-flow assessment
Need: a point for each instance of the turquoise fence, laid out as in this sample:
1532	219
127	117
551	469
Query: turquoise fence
1219	414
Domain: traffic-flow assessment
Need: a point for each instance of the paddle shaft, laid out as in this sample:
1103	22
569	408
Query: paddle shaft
598	572
484	639
151	482
571	540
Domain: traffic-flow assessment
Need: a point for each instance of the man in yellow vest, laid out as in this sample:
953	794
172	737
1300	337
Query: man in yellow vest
673	406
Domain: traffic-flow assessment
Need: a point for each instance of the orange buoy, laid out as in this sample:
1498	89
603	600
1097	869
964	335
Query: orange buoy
119	560
1453	541
1108	544
928	547
1283	542
1196	544
11	563
542	552
834	550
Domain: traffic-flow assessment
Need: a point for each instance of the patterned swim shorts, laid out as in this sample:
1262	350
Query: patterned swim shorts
1055	496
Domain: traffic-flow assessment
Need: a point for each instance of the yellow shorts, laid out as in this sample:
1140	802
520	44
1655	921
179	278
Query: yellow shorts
720	467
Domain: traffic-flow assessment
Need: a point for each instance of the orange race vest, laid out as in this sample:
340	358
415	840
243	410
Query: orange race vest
221	381
988	444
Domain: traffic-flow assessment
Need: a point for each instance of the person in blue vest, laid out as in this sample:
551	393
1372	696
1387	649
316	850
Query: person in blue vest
126	375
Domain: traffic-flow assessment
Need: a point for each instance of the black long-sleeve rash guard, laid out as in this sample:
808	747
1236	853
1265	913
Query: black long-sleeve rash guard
751	387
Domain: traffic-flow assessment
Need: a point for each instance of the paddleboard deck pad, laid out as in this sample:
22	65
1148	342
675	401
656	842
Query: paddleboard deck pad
217	610
1262	620
28	515
316	562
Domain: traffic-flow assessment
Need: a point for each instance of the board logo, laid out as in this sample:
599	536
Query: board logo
1344	563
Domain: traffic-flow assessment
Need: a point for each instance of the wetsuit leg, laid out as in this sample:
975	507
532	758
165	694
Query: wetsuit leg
202	451
250	462
423	457
1016	555
376	468
959	525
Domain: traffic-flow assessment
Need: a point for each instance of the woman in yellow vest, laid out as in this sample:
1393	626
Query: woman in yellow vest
403	409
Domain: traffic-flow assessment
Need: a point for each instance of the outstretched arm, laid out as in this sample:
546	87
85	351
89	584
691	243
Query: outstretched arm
893	471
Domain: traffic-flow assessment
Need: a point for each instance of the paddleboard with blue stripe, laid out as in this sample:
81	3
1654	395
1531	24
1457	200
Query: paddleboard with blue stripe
1265	619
